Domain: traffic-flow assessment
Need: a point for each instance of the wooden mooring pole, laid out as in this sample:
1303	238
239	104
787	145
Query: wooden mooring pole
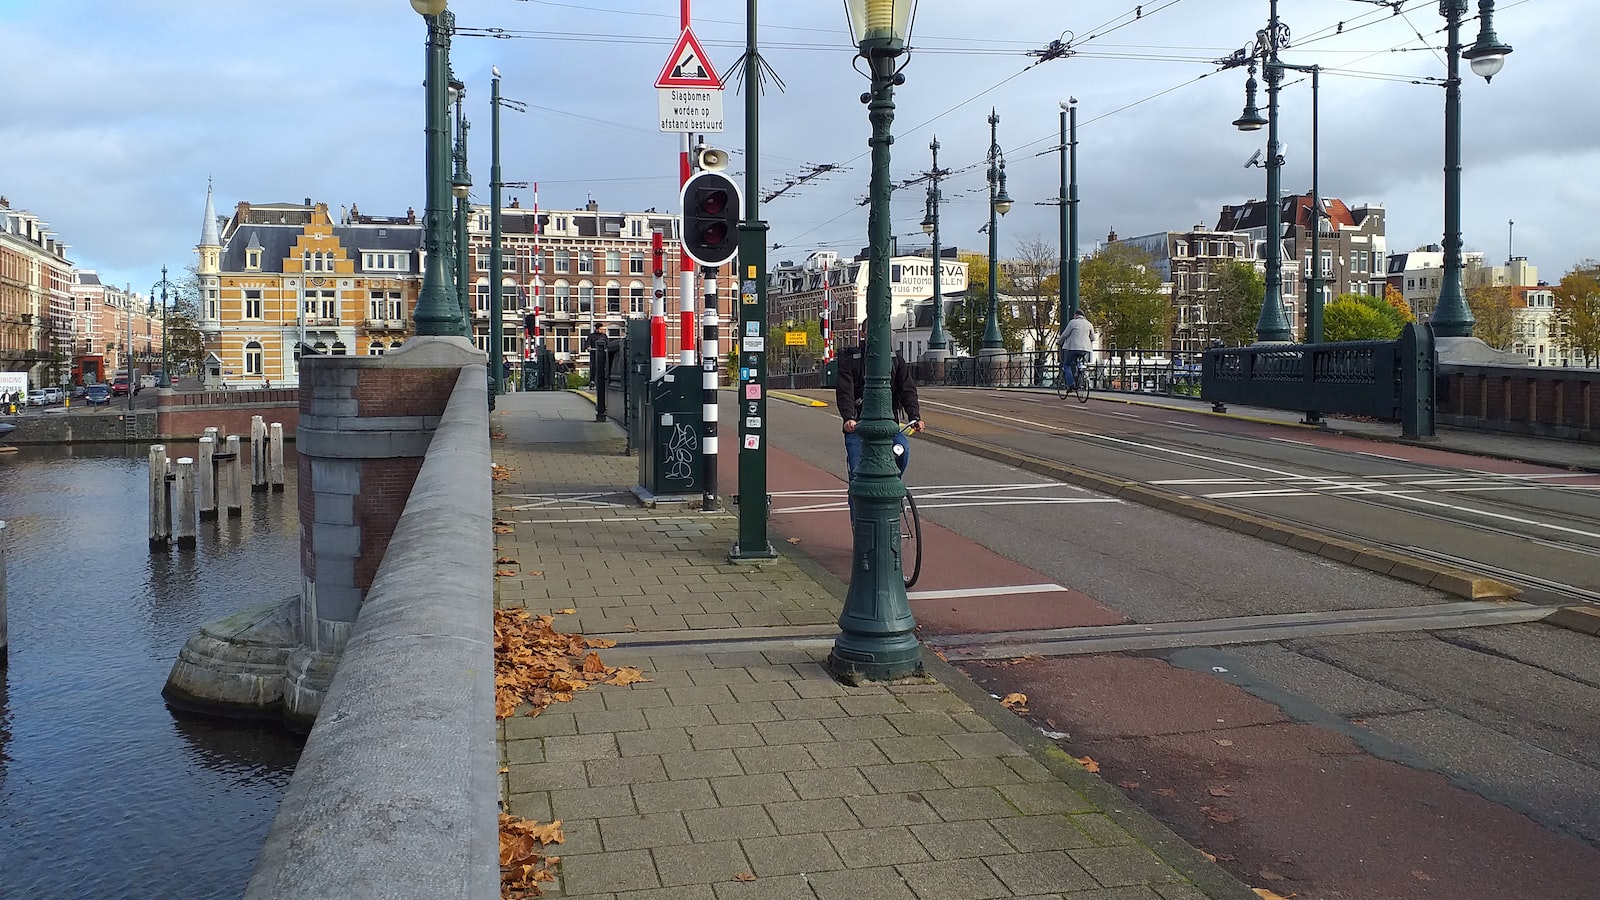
160	520
258	455
234	463
184	526
275	456
206	476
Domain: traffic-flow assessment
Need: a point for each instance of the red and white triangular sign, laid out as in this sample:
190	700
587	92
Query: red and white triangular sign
688	66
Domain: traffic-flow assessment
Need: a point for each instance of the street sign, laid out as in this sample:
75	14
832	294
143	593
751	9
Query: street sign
688	92
794	338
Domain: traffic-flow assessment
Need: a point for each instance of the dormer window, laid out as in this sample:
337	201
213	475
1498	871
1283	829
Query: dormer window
252	260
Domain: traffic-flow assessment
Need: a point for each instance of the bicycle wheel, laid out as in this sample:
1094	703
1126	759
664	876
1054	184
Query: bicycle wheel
1062	387
1082	385
910	540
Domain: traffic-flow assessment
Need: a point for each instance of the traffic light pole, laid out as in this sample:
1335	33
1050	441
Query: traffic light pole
708	387
751	400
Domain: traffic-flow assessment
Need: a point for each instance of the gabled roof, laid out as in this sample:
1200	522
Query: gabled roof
277	241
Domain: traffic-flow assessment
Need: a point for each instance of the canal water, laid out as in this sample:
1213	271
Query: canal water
104	792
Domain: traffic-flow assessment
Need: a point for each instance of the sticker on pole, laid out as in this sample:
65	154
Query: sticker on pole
688	92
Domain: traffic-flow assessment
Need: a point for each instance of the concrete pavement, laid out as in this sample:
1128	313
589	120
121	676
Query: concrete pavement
741	769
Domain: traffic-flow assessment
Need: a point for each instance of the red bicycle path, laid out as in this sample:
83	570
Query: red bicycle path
1284	805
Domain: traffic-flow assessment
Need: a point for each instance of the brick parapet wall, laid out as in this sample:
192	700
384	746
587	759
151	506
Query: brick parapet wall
1536	400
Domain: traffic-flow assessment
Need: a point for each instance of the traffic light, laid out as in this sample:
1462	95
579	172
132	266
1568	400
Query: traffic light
710	218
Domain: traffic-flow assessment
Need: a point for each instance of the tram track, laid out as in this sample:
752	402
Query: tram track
1497	516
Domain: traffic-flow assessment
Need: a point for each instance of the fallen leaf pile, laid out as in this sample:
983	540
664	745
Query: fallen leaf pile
498	472
523	863
537	665
1015	702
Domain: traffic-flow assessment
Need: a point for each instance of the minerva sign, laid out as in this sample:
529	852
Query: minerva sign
688	92
915	279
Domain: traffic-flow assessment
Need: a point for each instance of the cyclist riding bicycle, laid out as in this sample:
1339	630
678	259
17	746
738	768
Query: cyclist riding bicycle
1076	342
848	394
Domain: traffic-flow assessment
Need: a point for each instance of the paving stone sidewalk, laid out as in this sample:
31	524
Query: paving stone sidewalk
742	758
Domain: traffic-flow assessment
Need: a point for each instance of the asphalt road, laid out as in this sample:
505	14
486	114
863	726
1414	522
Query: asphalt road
1323	730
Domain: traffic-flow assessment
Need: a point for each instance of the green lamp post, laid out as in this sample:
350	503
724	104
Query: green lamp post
877	638
1273	324
162	287
1451	315
437	314
999	205
461	190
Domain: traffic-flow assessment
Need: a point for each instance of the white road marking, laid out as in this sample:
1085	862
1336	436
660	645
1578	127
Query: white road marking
1000	591
1184	424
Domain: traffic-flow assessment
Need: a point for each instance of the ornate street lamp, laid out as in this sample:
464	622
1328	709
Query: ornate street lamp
161	287
1273	324
1451	315
435	314
461	190
999	202
877	638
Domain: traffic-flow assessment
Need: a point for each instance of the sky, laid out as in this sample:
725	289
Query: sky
116	114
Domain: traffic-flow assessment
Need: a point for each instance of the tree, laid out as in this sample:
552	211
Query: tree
1036	283
1358	317
1494	311
1235	301
1121	292
1577	312
1393	297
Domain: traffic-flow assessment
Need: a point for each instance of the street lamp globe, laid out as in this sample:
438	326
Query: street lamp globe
1002	200
881	25
428	7
461	186
927	223
1488	55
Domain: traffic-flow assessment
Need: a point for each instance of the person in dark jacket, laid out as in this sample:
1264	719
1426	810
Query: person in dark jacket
848	397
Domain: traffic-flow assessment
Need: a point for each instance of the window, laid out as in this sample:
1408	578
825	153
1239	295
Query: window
339	349
385	305
321	305
636	264
560	224
636	299
636	228
383	262
252	304
585	298
613	297
563	262
585	262
613	262
483	221
211	304
561	298
480	295
252	260
375	348
252	358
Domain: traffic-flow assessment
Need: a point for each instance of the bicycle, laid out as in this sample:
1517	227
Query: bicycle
1077	386
910	524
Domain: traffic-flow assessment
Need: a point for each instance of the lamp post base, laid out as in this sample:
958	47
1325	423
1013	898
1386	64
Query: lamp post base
876	663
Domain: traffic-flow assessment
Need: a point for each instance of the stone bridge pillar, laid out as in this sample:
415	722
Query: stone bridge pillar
365	425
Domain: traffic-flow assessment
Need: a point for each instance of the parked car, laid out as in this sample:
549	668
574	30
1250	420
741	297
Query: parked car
37	397
78	391
119	386
54	395
97	394
147	380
